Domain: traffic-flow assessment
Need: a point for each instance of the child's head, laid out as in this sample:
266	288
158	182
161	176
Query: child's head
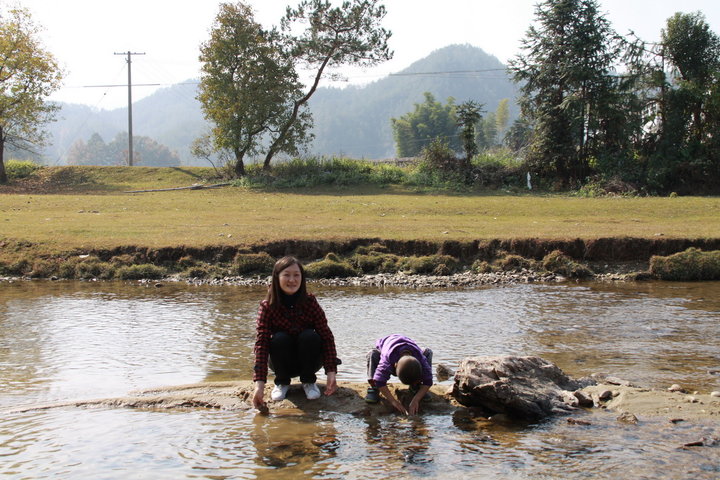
409	370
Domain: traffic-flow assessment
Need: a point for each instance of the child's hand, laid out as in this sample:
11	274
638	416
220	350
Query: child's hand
414	406
399	406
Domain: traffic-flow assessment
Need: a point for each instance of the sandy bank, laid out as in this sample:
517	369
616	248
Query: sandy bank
349	399
656	403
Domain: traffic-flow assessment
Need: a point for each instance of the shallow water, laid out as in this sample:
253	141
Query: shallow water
83	340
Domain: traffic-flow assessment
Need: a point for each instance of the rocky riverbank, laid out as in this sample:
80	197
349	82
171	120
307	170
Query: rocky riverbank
403	280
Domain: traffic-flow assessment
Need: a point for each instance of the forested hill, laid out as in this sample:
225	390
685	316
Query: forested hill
356	120
353	121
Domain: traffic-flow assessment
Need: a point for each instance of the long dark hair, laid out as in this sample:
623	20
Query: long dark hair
274	291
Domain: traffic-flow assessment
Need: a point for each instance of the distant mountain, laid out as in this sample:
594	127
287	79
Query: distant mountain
353	121
356	121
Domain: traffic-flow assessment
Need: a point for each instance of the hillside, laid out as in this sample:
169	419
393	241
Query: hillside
353	121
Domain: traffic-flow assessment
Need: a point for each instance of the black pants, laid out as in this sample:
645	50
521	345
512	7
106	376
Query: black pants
373	360
295	356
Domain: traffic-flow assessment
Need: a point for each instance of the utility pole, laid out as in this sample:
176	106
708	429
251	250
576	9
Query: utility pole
130	132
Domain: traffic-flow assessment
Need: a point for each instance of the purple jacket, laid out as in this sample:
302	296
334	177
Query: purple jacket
390	348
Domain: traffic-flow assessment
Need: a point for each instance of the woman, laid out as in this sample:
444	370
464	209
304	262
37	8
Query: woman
293	337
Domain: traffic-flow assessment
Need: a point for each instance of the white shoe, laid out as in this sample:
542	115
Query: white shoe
312	392
279	392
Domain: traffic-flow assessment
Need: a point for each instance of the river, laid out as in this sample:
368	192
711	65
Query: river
63	341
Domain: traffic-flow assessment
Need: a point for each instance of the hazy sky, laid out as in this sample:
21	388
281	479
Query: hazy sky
84	35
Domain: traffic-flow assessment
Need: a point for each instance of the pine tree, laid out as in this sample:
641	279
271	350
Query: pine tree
567	87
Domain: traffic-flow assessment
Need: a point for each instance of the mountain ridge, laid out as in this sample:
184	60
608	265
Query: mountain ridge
353	121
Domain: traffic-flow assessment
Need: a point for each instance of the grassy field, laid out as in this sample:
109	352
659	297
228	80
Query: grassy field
96	212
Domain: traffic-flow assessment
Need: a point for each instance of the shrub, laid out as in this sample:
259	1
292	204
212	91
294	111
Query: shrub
20	168
438	155
390	264
124	260
373	248
85	267
513	262
21	266
330	268
203	270
481	266
559	263
43	268
428	264
186	262
248	263
333	257
94	268
375	262
692	264
140	272
498	169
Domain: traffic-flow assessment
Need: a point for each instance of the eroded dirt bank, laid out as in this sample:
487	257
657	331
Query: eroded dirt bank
592	250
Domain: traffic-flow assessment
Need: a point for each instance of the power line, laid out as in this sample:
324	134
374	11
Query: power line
134	84
447	72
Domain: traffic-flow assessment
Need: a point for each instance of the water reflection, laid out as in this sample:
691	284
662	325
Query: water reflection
294	443
401	444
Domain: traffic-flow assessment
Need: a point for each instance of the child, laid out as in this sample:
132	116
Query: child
401	356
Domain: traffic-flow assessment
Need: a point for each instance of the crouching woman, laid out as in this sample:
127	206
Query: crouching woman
293	337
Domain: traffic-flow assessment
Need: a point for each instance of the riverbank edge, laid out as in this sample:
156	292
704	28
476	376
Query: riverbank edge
623	400
613	259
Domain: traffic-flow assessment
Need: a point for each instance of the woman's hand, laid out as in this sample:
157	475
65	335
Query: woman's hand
258	398
331	385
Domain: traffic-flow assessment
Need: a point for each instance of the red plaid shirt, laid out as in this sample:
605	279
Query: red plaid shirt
292	321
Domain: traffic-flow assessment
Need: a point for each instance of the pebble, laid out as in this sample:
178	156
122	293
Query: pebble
443	372
715	394
626	417
574	421
676	388
605	395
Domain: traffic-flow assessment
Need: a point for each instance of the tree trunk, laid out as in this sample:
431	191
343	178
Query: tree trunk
272	150
3	174
239	164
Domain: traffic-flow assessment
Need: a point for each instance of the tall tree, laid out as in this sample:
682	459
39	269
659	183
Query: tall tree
487	133
694	49
502	116
430	120
248	85
28	75
566	85
350	34
687	154
468	116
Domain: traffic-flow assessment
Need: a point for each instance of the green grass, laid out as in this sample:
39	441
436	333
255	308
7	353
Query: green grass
95	212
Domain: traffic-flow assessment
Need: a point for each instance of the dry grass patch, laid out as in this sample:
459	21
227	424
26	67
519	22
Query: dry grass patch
233	216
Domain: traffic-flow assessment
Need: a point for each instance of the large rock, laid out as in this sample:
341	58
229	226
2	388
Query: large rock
526	388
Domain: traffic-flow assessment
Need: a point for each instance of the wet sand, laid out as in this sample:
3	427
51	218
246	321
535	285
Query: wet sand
349	399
